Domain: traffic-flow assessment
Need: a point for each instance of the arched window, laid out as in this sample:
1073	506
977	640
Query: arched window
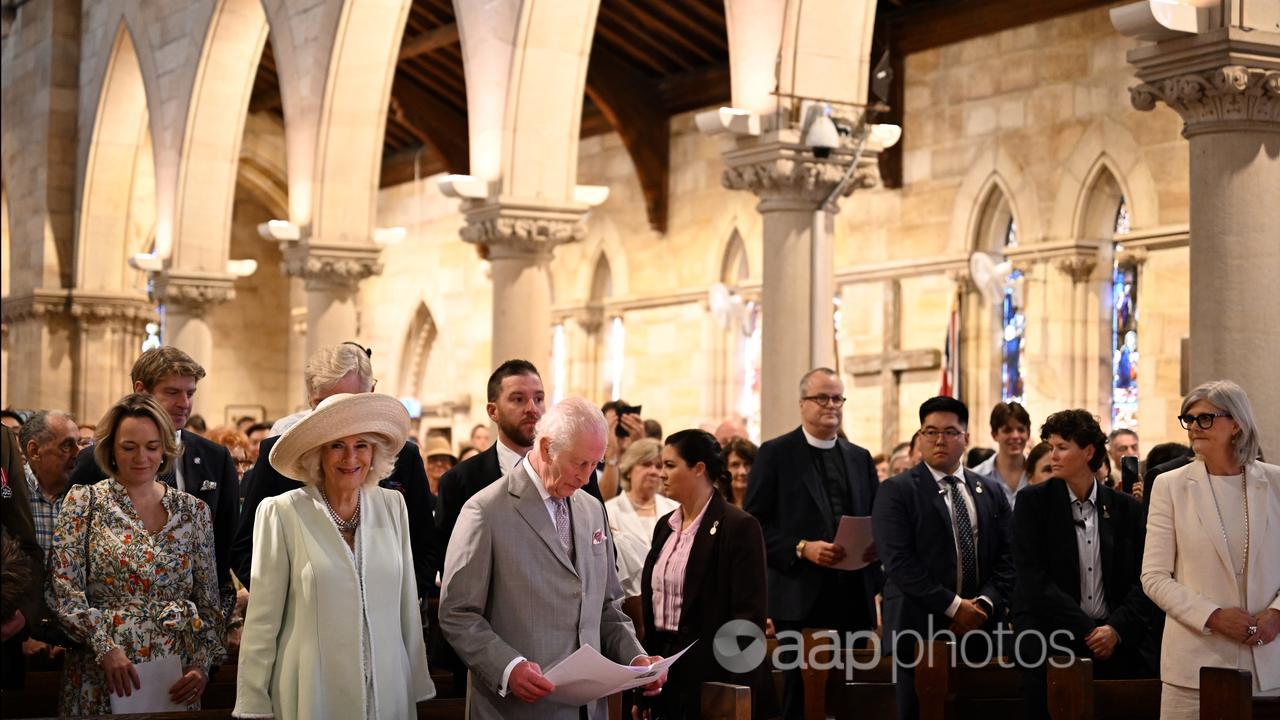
1124	333
738	339
1014	327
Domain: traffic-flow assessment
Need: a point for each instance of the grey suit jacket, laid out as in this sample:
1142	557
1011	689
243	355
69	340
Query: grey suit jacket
511	590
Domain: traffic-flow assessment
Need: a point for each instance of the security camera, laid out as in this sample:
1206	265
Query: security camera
820	133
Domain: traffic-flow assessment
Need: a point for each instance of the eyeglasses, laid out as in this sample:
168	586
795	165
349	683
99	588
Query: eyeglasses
1204	420
932	435
832	400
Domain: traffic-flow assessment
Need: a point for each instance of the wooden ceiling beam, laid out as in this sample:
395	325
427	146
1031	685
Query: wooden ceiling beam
431	40
633	106
399	168
443	127
696	90
652	26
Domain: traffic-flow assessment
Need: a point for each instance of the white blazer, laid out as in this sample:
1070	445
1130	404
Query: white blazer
1187	572
303	649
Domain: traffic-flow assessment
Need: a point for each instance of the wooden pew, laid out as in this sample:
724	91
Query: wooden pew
38	698
947	692
722	701
1227	694
858	694
1075	695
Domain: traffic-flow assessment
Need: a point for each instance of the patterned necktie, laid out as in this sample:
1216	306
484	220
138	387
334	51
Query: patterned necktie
169	477
562	523
964	534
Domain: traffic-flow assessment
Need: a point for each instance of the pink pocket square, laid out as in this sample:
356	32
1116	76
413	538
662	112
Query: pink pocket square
597	537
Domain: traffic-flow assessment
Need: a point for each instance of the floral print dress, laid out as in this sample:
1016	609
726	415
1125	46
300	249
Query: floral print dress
149	594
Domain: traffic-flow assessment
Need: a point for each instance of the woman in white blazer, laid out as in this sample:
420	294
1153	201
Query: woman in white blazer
1211	559
333	628
634	514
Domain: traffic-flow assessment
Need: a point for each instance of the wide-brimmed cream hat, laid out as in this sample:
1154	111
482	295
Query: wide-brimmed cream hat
338	416
437	446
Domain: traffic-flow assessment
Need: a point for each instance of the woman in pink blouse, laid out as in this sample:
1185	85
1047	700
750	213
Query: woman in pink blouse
705	568
132	568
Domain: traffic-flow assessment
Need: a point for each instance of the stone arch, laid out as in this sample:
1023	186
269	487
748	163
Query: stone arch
732	226
213	132
1105	144
980	358
993	164
734	265
117	168
601	280
419	339
603	239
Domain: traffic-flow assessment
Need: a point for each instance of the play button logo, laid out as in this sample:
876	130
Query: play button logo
739	646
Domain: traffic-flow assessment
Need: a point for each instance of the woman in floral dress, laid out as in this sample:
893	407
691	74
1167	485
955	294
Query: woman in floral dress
146	586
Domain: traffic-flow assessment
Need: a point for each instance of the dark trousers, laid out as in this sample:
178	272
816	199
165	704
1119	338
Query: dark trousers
840	606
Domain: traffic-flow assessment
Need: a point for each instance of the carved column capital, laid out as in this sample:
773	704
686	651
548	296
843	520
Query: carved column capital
1077	267
778	168
192	293
517	229
38	305
326	267
963	279
1136	256
1206	99
122	310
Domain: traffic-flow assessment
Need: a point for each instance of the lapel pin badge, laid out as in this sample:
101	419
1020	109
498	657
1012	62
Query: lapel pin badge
196	460
1106	513
715	526
978	489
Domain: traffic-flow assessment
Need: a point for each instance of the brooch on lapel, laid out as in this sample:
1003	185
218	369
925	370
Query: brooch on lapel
196	459
715	526
597	537
1106	513
208	485
978	488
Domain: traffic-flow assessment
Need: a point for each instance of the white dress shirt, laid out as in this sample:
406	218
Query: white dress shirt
507	458
944	489
1084	512
988	469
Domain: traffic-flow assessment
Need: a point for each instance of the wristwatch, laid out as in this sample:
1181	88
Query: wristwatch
800	548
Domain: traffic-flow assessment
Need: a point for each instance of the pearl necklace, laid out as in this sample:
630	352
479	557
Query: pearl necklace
343	525
1244	489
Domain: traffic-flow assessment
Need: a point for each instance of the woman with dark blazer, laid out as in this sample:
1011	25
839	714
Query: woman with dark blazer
705	568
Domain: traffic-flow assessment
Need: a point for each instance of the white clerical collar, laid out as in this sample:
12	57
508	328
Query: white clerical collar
507	458
818	442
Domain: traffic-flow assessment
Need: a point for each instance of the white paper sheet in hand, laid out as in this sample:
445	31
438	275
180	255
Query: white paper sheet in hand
854	535
586	676
156	676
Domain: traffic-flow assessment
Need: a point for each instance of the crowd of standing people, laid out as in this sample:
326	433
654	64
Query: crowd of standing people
310	547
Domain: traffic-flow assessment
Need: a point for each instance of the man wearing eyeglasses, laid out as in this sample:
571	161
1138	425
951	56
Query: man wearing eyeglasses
944	536
800	486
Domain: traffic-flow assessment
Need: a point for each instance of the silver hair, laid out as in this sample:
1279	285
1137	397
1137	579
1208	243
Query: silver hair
567	420
384	461
804	381
1231	399
331	363
37	428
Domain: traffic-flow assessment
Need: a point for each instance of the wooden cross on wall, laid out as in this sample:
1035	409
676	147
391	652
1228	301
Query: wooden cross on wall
890	363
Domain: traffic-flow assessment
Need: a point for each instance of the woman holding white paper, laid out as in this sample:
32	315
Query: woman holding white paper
132	569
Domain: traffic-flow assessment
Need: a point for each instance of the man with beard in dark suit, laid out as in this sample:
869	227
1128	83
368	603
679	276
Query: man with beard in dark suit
516	401
205	468
800	486
345	368
944	535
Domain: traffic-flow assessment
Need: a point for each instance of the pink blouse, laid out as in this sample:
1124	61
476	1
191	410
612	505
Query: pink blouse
668	572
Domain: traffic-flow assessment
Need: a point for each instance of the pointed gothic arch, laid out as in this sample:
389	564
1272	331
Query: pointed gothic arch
419	340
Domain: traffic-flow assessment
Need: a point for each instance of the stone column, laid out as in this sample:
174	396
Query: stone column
332	275
187	298
519	240
1079	270
1225	84
798	268
109	330
40	333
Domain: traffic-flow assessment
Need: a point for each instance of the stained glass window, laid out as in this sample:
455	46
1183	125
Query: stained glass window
1014	322
1124	335
748	404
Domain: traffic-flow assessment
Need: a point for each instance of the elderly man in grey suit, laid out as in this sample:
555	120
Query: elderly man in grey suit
530	576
